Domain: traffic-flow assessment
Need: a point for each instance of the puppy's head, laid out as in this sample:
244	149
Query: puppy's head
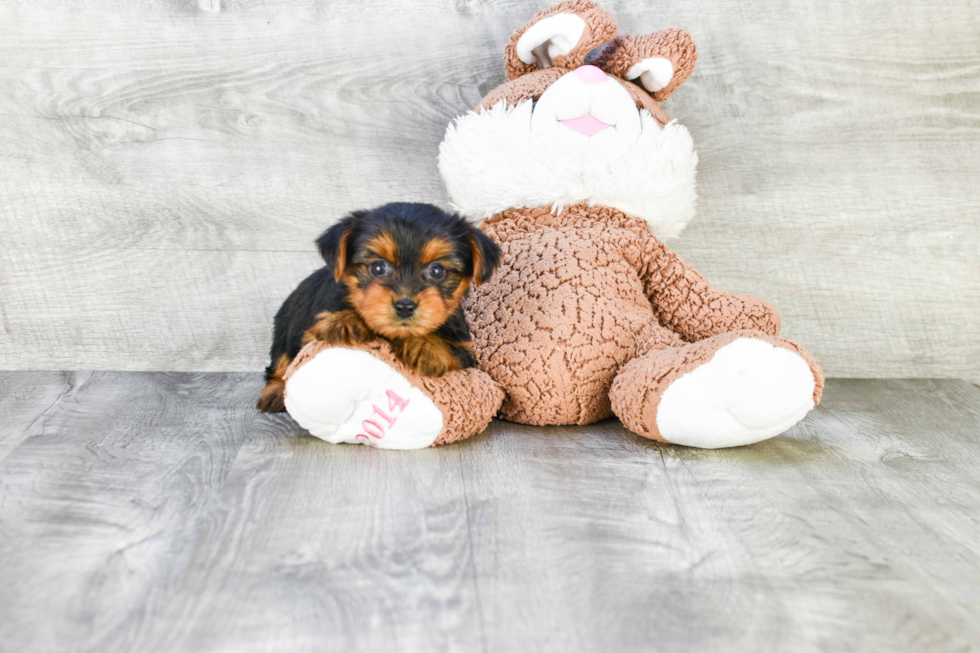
407	266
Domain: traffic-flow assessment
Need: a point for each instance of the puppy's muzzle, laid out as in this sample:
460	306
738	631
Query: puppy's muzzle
405	308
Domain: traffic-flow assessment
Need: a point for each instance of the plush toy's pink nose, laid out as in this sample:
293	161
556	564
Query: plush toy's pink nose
590	74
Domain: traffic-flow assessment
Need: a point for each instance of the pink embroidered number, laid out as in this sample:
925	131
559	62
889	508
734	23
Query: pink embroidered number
375	429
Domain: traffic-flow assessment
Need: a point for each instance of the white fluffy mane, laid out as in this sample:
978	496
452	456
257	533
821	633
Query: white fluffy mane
492	161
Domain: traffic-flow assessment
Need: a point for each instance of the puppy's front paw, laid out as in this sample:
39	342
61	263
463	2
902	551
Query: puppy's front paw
340	328
427	355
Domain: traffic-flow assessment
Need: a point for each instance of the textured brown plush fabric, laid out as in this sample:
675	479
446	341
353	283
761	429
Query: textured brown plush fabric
600	26
527	87
628	50
527	81
580	294
636	391
468	398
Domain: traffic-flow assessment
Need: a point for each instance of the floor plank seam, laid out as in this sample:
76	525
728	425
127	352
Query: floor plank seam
469	537
73	383
743	546
256	415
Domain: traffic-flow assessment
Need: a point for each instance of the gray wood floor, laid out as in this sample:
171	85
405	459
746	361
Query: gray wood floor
159	512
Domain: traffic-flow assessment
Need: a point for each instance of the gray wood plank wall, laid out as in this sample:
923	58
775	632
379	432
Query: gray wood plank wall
164	164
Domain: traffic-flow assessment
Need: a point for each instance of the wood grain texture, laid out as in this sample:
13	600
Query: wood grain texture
102	504
24	398
159	512
167	163
811	541
318	547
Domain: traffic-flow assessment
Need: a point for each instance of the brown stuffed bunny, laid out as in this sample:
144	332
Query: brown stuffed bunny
576	172
574	168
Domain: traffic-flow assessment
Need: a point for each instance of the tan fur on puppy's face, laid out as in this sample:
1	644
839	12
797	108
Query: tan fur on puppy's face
433	310
375	306
435	249
374	297
384	245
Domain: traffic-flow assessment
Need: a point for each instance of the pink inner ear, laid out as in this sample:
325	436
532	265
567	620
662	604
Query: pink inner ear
590	74
586	125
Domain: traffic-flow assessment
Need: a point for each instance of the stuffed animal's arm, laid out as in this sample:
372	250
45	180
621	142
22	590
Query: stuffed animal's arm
687	304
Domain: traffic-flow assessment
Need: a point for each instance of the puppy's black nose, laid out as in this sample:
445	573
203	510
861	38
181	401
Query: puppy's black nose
405	307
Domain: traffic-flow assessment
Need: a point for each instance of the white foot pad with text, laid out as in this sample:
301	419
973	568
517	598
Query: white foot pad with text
347	395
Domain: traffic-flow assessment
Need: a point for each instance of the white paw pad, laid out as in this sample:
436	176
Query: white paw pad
749	391
347	395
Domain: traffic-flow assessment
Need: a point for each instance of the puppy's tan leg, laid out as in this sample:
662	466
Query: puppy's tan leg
427	355
340	328
272	398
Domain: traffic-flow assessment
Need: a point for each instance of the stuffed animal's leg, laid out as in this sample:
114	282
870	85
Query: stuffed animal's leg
724	391
365	395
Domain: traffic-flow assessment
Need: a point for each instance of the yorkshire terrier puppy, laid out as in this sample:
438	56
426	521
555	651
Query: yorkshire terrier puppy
397	272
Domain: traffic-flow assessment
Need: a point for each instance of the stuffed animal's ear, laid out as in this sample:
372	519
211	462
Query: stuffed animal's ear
486	255
560	36
660	62
332	243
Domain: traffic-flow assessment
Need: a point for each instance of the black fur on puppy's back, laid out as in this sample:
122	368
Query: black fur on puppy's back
317	293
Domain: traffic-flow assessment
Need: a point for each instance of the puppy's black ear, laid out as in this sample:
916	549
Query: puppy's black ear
332	243
486	255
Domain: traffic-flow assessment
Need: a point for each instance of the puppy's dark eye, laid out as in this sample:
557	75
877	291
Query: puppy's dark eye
435	272
380	268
